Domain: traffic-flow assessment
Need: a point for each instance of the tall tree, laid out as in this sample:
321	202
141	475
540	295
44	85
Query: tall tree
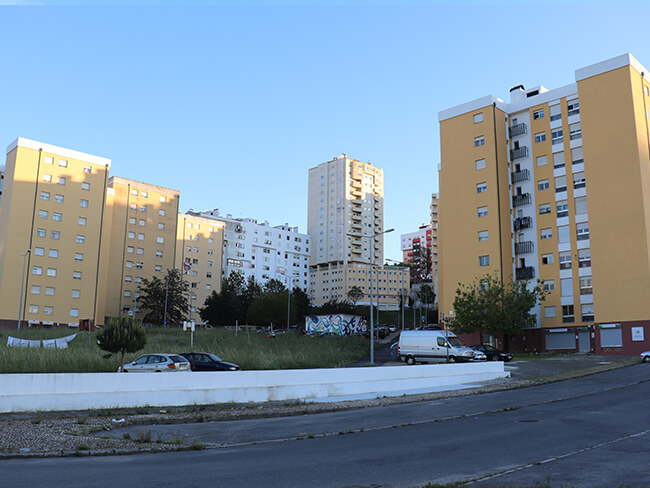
300	300
489	306
270	308
274	286
152	298
122	335
354	295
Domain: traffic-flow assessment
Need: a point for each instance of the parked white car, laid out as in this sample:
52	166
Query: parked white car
645	357
157	363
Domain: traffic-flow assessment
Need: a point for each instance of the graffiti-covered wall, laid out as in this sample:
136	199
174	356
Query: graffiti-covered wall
335	324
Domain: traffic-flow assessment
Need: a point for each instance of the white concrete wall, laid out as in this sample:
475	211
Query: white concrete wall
72	391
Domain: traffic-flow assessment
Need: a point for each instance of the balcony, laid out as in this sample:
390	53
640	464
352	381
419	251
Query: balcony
518	129
522	223
521	199
356	216
524	247
525	273
523	175
518	153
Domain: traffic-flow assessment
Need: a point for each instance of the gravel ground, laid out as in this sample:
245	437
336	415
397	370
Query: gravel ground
80	433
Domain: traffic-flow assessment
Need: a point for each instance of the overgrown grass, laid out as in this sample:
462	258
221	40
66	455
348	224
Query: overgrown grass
249	350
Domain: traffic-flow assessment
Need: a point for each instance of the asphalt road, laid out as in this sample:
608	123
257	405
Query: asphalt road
587	432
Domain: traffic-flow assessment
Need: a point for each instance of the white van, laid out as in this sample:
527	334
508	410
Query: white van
432	345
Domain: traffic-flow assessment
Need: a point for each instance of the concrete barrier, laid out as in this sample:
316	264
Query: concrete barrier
81	391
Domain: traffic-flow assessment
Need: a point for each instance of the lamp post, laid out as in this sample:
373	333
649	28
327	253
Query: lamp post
22	286
292	283
402	270
372	312
135	287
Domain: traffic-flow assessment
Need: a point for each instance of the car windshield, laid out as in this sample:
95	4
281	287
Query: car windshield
213	357
490	348
455	341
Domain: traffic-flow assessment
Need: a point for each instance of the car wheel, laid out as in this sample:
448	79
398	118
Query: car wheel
495	358
646	359
410	360
452	359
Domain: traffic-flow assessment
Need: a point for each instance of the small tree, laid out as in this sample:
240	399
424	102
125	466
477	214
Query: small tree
489	306
354	295
274	286
122	335
152	298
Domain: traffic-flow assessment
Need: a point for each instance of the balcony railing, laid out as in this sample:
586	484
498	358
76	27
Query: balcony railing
522	223
518	129
522	199
520	152
524	247
523	175
525	273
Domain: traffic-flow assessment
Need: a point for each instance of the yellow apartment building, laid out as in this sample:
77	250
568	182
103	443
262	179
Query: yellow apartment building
199	251
555	186
51	227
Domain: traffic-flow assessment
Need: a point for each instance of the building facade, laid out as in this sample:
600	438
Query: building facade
345	221
543	188
264	252
417	250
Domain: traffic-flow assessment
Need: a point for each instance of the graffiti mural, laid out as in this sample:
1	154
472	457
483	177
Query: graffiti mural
343	325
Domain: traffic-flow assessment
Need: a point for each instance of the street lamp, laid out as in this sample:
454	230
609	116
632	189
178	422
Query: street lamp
402	270
22	286
292	283
372	261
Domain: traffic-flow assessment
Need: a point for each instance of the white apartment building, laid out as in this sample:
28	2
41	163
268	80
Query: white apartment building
263	251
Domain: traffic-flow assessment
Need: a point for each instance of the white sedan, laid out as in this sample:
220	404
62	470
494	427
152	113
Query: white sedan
157	363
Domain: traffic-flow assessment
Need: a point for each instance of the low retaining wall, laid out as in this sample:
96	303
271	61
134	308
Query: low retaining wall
81	391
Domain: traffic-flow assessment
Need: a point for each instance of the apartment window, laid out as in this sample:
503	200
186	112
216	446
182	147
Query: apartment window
45	195
558	160
140	237
51	272
88	169
556	136
209	264
133	206
140	250
163	199
131	235
579	180
41	233
542	160
53	253
575	131
49	290
577	155
127	293
549	285
85	186
47	310
143	208
76	293
481	187
196	249
562	208
479	163
563	234
81	221
83	203
128	278
479	141
134	193
484	261
549	312
161	212
39	251
587	312
33	309
55	234
76	275
560	184
483	235
547	258
581	205
49	160
210	240
478	118
36	290
161	226
544	208
63	163
584	258
160	240
210	252
566	285
144	194
208	286
586	286
78	256
142	223
573	109
542	185
47	178
556	112
159	254
81	239
194	285
60	180
567	314
132	220
582	231
42	214
57	217
545	233
158	267
540	137
565	260
74	312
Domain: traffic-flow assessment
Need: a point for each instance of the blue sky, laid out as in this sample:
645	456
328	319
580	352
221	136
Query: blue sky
232	103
